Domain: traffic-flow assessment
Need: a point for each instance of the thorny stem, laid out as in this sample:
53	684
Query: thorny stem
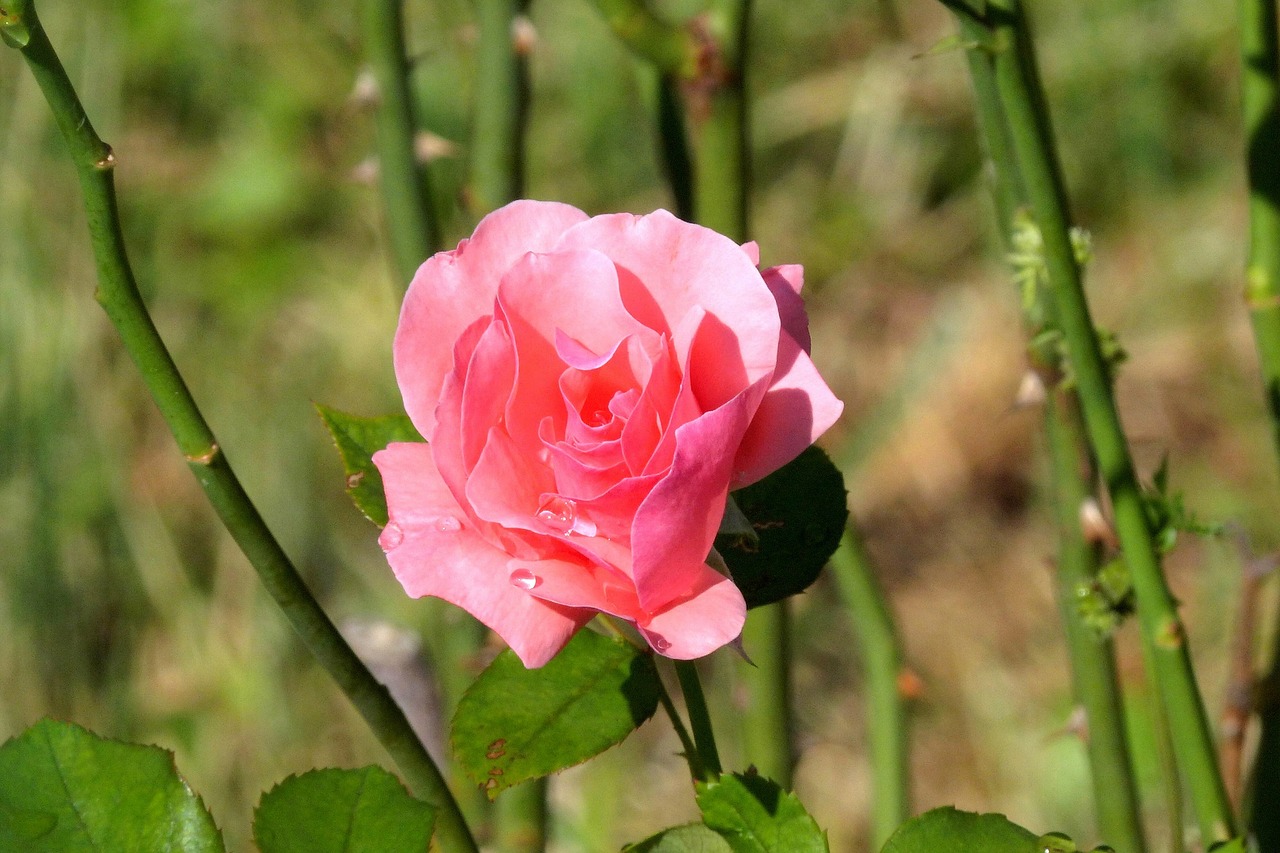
501	104
1161	626
406	193
118	294
1260	96
1092	658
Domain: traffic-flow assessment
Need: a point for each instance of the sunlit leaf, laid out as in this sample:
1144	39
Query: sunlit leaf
342	811
755	815
65	789
358	438
948	830
516	724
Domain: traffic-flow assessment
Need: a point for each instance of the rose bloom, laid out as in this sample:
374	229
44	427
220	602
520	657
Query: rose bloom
591	389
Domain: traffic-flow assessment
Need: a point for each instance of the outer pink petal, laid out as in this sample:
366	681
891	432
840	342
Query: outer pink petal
506	484
785	283
797	408
579	584
677	522
667	266
452	289
433	551
698	625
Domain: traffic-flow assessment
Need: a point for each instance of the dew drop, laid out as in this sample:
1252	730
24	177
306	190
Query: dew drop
560	514
660	644
391	537
448	524
525	579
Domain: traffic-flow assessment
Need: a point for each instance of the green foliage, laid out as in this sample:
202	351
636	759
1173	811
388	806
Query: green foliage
357	439
516	724
755	815
1167	513
798	514
65	789
1106	600
691	838
948	830
342	811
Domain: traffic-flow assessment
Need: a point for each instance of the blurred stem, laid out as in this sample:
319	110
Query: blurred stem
1164	635
699	719
718	115
668	48
877	645
1092	658
522	818
673	143
768	723
696	770
118	294
501	100
406	193
1260	57
1093	667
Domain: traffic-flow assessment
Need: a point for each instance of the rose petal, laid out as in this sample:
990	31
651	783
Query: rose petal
785	283
676	524
578	584
452	289
695	626
666	267
797	408
572	293
433	551
506	485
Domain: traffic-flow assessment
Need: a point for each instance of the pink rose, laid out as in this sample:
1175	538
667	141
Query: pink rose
591	389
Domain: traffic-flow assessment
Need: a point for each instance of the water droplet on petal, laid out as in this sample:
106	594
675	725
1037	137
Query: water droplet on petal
391	537
660	644
448	524
525	579
560	514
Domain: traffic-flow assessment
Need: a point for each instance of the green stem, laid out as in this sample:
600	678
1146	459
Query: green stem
406	193
768	721
1163	633
1092	658
691	756
522	817
673	145
700	719
1093	666
501	101
881	657
1260	95
118	293
668	48
718	112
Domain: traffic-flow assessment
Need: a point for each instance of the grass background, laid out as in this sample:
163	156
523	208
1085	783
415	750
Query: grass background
243	164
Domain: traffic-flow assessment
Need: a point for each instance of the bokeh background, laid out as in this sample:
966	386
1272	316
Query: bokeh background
255	231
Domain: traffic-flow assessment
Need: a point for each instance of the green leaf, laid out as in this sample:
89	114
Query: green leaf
516	724
342	811
756	816
798	513
1235	845
358	439
63	788
947	830
691	838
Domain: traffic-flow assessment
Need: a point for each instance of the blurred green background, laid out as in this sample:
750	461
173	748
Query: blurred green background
256	234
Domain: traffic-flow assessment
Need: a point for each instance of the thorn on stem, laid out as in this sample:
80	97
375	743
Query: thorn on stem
107	162
207	457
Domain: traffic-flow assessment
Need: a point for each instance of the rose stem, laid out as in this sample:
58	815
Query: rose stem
117	292
1260	95
1161	627
501	105
406	189
717	106
699	718
672	53
1092	657
877	646
691	755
